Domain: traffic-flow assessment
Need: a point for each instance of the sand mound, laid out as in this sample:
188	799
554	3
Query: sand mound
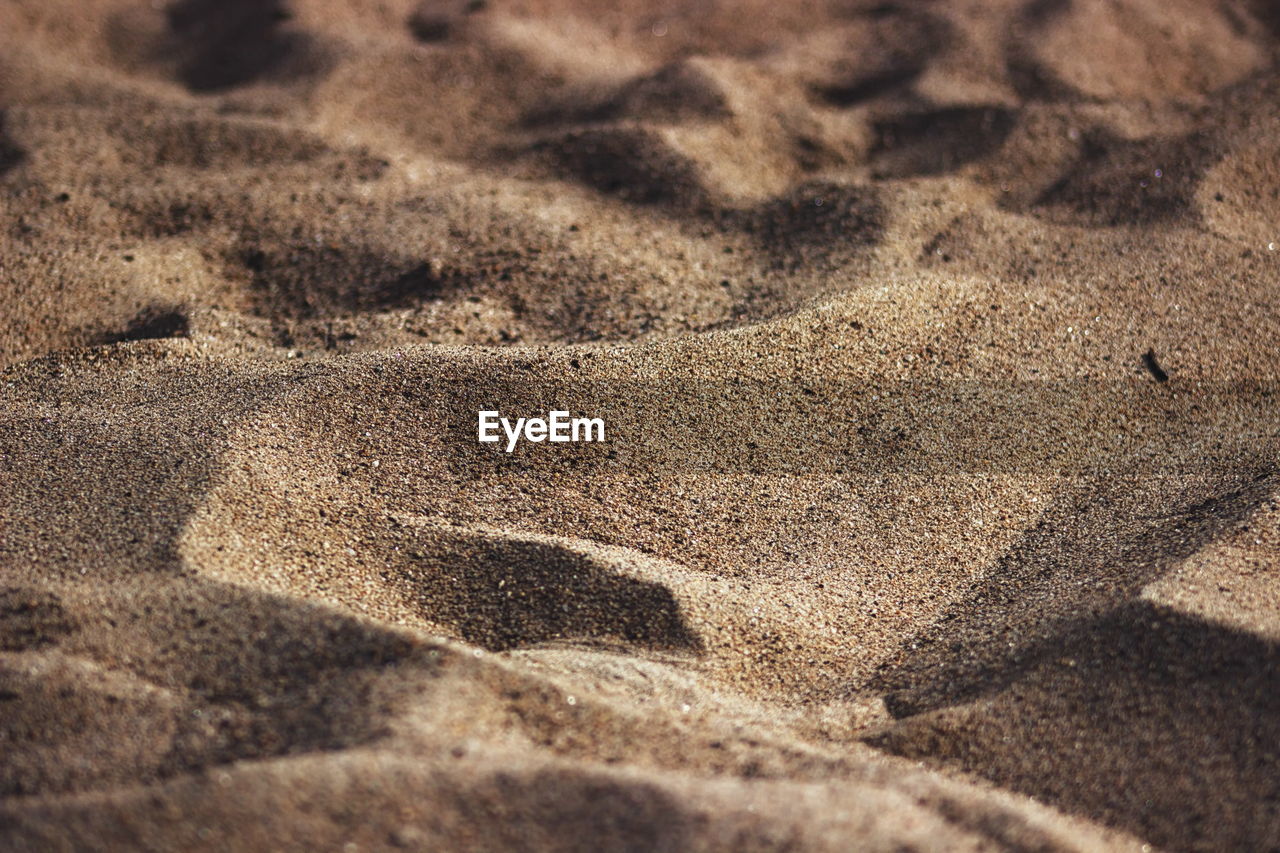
937	348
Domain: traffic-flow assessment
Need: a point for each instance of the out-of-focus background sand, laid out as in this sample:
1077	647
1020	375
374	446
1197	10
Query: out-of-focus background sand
938	342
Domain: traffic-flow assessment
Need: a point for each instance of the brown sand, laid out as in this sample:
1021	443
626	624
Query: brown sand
897	540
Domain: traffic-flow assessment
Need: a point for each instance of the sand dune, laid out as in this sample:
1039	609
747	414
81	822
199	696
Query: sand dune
937	345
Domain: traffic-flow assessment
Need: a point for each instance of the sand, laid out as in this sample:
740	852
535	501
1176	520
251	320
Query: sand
937	345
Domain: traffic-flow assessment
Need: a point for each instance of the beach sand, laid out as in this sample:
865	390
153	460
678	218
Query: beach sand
937	348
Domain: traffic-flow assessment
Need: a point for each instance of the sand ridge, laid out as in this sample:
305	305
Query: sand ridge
897	540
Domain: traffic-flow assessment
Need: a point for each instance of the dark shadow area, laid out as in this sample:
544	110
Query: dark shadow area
633	163
1268	13
288	676
818	223
1093	552
1146	719
304	280
151	324
933	142
227	43
143	480
503	592
246	675
11	155
872	85
435	21
1128	182
1055	679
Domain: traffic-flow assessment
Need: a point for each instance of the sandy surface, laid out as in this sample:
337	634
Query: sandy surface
937	344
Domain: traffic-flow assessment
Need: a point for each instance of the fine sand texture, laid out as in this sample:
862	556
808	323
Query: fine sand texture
938	347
